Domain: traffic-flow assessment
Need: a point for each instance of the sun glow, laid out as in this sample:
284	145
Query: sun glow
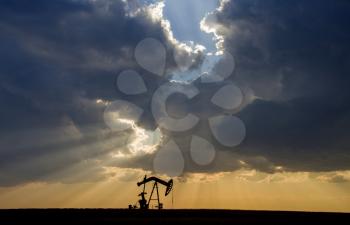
141	141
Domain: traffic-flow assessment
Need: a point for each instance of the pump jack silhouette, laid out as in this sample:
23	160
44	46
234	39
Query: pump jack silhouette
143	203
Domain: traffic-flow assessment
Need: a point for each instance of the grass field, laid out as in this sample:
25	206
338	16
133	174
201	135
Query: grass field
178	216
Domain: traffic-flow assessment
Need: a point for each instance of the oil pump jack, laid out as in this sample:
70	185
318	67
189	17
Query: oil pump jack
143	203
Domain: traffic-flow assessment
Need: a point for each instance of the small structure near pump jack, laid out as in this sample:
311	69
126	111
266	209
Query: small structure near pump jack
143	203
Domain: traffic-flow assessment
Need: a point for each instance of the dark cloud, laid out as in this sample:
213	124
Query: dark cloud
59	57
294	56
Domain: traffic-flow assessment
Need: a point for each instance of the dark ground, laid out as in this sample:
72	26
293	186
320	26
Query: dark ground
125	216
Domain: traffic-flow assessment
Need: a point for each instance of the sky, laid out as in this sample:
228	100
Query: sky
244	103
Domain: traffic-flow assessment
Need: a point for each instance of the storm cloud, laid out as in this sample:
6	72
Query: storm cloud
294	57
60	61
